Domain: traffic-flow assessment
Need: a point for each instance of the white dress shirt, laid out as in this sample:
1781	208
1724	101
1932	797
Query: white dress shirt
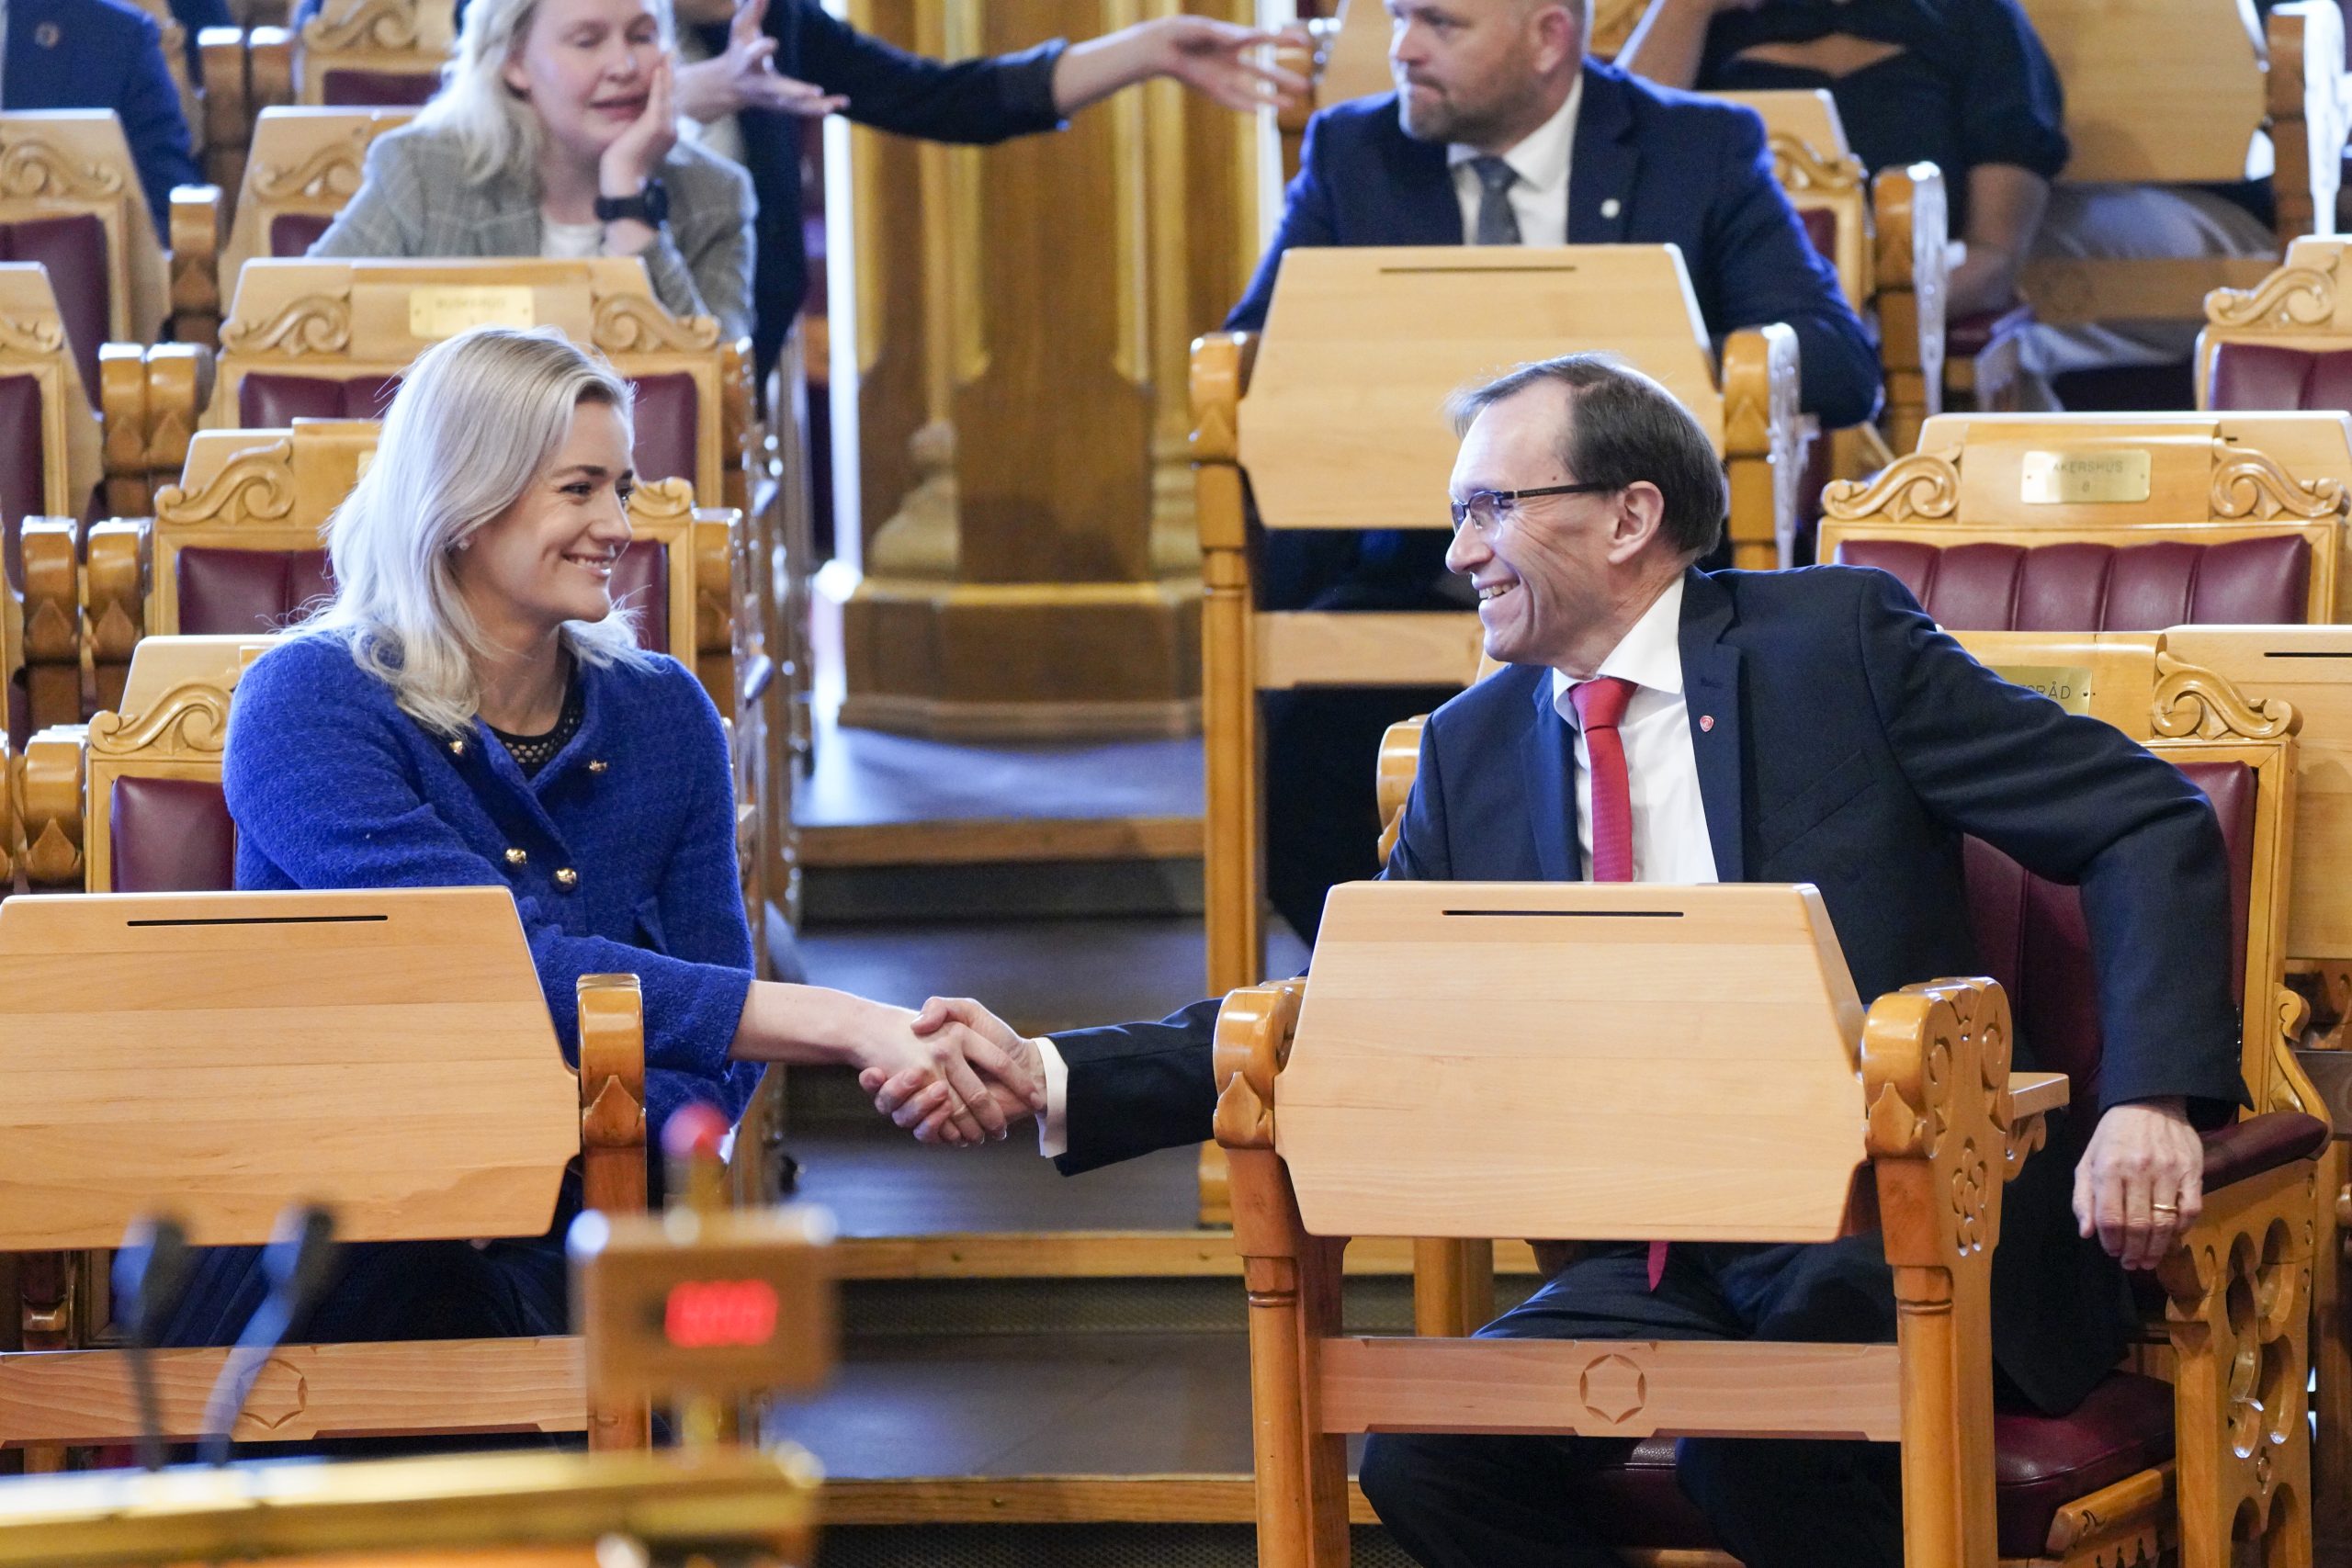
1539	197
1670	839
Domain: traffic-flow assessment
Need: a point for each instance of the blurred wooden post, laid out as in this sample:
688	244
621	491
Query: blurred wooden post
1015	397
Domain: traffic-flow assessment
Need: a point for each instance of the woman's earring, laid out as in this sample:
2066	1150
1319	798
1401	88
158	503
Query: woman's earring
465	543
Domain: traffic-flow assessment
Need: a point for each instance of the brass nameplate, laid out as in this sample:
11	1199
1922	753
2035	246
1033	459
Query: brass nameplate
2067	685
2066	478
438	311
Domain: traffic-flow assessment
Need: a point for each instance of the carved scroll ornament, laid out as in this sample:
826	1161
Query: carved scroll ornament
1798	165
1920	486
2247	483
662	501
257	484
191	722
630	323
330	173
1253	1037
2194	701
374	25
2290	297
31	336
30	167
316	323
1935	1077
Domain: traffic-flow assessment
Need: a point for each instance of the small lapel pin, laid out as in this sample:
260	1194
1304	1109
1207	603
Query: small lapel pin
46	35
1706	721
1611	208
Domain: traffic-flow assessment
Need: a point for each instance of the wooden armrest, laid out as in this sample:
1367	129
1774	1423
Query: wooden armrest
1914	227
1763	448
2243	1150
2304	94
199	217
2033	1094
52	624
228	105
45	796
612	1146
114	601
1220	376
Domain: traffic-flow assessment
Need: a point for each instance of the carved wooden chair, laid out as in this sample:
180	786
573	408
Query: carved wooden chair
50	459
2088	522
1886	238
69	198
219	1000
2140	1471
2284	344
2175	94
353	54
1330	421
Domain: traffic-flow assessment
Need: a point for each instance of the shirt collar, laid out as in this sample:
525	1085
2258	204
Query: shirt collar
1650	656
1541	159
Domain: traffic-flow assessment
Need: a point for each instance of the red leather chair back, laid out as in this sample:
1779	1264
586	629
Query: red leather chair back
642	583
227	592
667	417
21	490
2092	587
2032	937
2270	375
293	233
1821	228
171	836
73	249
346	87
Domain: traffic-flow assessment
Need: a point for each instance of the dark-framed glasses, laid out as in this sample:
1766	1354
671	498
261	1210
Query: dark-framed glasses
1484	509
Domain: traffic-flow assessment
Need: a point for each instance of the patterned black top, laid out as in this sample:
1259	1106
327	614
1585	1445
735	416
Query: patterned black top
532	752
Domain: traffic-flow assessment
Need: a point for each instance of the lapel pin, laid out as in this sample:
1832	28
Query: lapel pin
1611	208
46	35
1706	721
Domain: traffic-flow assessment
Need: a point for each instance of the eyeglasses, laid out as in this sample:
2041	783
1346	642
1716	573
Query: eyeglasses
1486	508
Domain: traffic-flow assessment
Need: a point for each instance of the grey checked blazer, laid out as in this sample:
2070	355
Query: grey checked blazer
415	200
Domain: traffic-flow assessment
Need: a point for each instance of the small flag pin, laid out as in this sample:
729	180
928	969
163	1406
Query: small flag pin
1706	721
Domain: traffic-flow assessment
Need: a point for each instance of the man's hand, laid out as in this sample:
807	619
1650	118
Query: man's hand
745	77
2140	1183
926	1107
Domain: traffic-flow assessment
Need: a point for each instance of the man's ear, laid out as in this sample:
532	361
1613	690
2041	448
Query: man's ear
1559	37
1638	520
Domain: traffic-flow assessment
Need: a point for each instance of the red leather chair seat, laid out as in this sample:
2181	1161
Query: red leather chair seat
73	249
2040	1463
345	88
666	417
272	400
171	836
2268	376
227	592
642	583
293	233
2092	587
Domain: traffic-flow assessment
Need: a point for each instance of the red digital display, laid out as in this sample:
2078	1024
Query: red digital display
710	1315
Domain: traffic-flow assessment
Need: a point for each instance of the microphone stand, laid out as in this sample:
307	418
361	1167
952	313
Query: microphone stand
299	1261
150	1273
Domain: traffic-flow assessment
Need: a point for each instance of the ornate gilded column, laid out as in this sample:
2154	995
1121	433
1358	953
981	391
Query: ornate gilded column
1010	391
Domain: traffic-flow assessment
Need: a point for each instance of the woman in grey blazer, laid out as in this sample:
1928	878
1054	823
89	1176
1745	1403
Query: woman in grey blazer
554	134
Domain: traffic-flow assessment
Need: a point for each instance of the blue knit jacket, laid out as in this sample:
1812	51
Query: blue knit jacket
332	786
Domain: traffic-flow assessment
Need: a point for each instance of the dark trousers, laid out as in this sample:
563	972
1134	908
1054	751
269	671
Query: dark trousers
1501	1502
400	1290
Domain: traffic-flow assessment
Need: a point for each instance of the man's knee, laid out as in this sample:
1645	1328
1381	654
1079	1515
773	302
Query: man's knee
1393	1473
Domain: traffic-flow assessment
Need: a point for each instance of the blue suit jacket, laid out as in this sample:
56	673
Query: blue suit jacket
1683	170
1854	747
96	54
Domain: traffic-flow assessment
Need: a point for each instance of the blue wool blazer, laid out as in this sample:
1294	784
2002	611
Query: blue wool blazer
1649	166
332	786
1854	747
97	54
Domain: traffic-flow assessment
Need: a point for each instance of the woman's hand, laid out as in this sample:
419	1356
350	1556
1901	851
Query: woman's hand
943	1066
925	1106
638	151
745	77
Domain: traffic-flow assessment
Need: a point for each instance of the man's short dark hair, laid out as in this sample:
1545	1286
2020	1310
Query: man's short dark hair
1622	427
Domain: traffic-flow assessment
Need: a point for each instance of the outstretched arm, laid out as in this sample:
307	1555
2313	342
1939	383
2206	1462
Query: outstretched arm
1215	59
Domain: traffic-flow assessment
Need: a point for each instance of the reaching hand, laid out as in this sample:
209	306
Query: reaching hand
926	1107
1216	60
634	156
745	77
2141	1184
942	1062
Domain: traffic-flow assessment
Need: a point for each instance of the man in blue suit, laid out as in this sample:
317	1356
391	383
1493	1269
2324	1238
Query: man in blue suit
96	54
1668	724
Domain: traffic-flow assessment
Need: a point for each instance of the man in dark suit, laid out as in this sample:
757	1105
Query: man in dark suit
1663	724
1502	132
96	54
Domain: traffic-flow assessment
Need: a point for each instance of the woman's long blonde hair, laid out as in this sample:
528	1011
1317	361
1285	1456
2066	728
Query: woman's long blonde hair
495	125
477	418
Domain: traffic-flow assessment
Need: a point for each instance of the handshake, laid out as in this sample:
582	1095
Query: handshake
954	1073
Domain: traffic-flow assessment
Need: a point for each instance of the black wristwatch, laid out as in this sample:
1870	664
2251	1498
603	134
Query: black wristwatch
649	205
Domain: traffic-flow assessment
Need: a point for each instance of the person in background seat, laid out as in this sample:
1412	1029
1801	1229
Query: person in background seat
472	710
96	54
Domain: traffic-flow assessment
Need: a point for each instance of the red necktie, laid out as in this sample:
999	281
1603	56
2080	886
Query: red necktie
1600	709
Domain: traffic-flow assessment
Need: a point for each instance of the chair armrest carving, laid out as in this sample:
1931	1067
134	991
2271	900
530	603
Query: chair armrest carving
179	383
114	601
1763	443
2305	100
229	110
45	794
1913	227
53	620
1253	1045
122	405
715	599
1400	760
198	221
1221	363
612	1092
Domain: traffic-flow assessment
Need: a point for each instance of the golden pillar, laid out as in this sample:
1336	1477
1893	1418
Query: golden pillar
1026	564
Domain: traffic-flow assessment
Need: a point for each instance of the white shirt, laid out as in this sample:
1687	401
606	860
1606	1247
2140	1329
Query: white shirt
1539	197
1670	839
569	241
